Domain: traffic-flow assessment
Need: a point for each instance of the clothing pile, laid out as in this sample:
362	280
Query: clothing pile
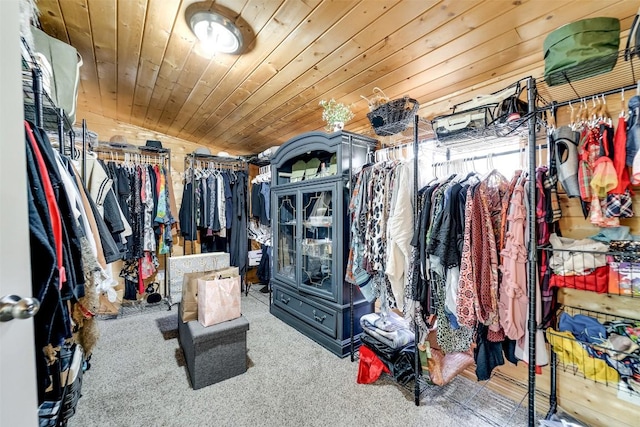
387	346
579	264
604	352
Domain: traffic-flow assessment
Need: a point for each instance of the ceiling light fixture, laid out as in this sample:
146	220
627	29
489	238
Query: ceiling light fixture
216	32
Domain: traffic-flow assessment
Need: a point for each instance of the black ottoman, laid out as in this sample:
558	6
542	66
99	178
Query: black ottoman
214	353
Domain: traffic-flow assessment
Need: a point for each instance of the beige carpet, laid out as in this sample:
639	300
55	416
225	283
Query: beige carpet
138	378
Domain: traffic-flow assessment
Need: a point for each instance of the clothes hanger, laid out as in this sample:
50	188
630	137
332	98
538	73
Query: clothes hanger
466	173
522	156
595	109
605	112
494	177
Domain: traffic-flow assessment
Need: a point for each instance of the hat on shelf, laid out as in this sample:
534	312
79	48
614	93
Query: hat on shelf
157	145
203	151
119	141
223	154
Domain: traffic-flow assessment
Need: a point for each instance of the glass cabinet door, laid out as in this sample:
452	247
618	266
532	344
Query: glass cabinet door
286	235
317	247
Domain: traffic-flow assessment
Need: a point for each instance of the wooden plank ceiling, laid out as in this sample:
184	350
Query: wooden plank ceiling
142	64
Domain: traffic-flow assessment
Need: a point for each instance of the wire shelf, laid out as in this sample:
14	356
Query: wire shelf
606	272
597	346
51	114
406	136
132	308
625	74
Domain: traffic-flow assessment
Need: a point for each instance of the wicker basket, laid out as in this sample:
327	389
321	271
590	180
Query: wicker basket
394	116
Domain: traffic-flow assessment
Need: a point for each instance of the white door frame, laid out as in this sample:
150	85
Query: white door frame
18	391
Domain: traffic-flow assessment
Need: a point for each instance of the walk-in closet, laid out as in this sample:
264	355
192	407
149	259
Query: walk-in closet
312	213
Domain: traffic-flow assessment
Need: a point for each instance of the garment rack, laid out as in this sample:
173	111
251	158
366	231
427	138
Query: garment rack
553	106
219	162
160	154
46	116
532	256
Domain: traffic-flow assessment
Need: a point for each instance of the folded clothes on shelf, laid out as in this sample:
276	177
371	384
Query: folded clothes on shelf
595	281
391	329
576	257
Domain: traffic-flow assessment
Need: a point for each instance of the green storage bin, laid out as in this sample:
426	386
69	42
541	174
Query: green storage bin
581	49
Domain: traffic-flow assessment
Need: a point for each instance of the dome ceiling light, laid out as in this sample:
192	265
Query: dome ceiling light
216	32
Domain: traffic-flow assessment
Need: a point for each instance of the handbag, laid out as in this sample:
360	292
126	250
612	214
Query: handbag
475	120
153	296
511	108
511	112
582	49
633	40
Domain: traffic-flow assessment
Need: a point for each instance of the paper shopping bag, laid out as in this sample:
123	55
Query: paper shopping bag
189	300
218	300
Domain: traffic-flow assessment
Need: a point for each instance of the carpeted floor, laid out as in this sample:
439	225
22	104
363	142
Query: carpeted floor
138	377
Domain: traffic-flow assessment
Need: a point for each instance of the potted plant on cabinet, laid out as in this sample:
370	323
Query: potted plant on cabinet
336	114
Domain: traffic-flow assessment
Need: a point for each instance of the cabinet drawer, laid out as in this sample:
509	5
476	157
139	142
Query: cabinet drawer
321	318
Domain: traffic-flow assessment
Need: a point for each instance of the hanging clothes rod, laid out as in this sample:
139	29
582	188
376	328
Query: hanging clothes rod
132	150
407	144
486	156
410	148
213	157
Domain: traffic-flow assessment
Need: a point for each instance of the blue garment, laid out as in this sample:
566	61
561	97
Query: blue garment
584	328
214	216
606	235
265	190
228	199
238	243
633	129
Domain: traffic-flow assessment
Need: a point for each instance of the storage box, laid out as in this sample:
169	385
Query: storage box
179	265
215	353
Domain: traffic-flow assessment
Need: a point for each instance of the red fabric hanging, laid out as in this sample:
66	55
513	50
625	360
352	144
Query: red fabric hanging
52	203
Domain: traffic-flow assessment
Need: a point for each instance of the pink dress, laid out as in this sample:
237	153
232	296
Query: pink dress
513	290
